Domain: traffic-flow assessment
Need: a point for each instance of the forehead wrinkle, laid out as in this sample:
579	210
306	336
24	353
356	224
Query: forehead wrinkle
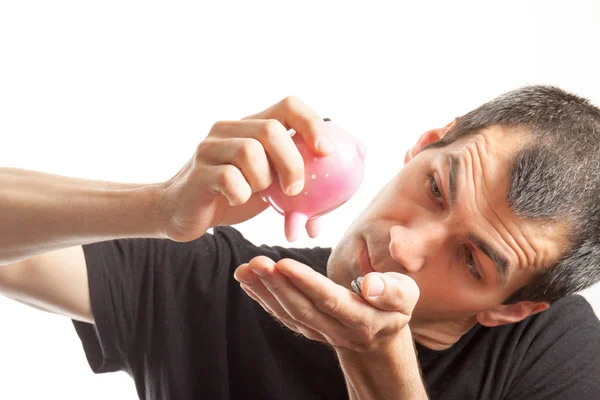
481	202
519	247
475	168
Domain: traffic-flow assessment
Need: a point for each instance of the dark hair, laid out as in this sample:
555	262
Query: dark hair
555	177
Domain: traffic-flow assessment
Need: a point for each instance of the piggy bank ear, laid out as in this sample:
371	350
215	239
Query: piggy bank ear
431	136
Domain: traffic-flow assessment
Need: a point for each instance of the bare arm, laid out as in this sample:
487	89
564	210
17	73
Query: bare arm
219	185
56	282
42	212
391	374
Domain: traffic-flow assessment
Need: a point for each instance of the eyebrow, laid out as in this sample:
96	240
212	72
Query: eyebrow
499	260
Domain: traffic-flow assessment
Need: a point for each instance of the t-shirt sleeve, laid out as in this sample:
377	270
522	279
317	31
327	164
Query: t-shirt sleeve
563	359
133	284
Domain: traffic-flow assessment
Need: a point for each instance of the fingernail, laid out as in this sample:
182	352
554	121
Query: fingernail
375	286
295	187
324	144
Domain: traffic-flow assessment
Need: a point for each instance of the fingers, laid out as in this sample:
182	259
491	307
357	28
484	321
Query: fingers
229	181
391	291
309	303
257	290
292	113
247	154
327	296
244	143
398	293
260	143
291	302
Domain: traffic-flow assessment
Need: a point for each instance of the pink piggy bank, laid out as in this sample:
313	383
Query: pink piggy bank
329	181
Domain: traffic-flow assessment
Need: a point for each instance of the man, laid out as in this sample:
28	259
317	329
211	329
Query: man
470	255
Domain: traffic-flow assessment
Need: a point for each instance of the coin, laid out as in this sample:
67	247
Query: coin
357	286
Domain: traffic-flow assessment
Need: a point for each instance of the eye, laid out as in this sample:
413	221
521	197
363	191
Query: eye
434	189
470	263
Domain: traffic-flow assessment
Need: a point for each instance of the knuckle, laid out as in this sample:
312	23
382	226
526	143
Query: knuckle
217	127
291	103
226	175
304	314
399	298
271	128
248	151
329	305
204	147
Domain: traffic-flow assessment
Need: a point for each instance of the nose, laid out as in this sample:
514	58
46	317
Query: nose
413	246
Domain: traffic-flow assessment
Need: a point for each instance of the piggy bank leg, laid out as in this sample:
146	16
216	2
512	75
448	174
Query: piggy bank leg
294	222
313	227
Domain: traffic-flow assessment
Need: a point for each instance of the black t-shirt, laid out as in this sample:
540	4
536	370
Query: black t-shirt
172	316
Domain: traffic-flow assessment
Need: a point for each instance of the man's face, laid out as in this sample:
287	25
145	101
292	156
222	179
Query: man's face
444	221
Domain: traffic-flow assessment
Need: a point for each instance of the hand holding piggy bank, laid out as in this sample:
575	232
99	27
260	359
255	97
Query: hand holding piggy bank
329	181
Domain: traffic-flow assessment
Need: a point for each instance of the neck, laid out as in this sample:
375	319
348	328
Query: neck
440	335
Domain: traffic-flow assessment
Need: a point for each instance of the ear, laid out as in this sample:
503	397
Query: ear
510	313
426	139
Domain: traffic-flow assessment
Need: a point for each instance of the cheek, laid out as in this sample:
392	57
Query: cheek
448	296
447	289
401	200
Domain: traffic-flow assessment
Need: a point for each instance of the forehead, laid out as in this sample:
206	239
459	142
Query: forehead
481	165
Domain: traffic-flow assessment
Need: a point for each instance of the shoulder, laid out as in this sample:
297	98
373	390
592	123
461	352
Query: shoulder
568	327
569	318
574	309
557	352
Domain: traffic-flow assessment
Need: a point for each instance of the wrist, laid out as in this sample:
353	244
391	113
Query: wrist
145	209
401	342
112	213
390	371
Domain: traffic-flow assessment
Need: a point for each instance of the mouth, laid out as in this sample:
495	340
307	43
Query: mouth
365	260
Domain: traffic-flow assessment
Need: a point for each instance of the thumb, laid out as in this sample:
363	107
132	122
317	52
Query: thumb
390	291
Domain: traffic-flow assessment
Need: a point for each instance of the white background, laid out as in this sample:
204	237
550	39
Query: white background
124	91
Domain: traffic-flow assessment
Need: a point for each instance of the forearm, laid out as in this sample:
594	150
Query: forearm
43	212
393	374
